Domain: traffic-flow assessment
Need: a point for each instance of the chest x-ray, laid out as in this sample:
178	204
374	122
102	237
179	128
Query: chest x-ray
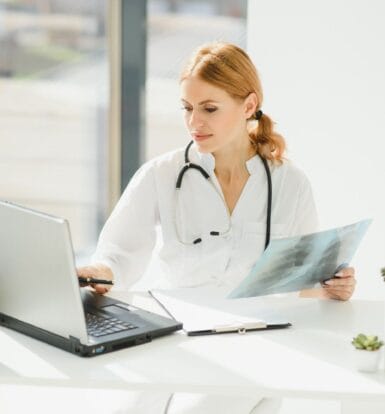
296	263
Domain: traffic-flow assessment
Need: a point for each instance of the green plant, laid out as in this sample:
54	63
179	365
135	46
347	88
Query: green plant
367	342
383	273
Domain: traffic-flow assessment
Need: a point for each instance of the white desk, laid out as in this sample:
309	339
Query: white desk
309	360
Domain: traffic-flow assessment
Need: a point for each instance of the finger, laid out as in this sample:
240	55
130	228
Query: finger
80	270
339	286
340	289
84	272
339	294
343	297
342	276
346	281
333	296
345	272
102	289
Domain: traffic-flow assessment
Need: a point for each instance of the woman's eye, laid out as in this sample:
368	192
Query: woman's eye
187	109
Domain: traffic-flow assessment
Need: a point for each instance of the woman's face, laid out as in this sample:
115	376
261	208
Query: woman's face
213	118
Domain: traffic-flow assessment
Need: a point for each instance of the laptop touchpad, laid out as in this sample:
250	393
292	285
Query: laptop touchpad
119	309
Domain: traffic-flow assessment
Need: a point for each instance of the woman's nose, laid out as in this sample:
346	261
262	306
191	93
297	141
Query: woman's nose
195	119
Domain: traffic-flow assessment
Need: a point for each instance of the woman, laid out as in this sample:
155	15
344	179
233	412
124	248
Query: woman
214	227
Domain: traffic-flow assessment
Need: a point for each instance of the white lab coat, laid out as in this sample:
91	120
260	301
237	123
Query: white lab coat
128	237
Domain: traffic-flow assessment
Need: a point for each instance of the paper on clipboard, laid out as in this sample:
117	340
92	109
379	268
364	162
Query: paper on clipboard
202	311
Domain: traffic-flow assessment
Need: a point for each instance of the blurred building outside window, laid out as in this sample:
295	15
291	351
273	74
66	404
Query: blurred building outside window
175	29
54	88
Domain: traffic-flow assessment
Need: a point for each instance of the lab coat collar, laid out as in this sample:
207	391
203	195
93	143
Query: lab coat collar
253	164
207	161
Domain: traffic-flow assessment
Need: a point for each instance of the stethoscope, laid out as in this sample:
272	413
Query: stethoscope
187	165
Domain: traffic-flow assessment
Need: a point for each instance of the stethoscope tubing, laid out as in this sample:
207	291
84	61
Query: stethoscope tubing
189	165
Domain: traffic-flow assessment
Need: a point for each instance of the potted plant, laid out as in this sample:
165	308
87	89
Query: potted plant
367	352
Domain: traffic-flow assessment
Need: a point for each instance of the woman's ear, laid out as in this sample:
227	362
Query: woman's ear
250	105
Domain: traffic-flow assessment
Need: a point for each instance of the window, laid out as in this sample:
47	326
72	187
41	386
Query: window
175	29
53	109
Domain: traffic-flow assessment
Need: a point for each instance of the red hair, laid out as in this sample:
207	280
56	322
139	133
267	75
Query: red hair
228	67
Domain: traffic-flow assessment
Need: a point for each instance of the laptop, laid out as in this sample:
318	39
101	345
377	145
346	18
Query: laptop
40	294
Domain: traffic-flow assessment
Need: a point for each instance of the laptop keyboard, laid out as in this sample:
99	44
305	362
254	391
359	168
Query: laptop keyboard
98	325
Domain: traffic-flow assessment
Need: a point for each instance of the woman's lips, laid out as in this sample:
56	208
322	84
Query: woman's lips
201	137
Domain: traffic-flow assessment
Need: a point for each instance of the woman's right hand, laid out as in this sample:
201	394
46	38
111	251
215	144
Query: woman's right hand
98	271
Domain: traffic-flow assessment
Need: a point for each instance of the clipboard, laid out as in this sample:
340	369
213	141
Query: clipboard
241	328
234	324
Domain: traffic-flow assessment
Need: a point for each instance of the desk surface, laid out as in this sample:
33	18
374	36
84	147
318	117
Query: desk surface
311	359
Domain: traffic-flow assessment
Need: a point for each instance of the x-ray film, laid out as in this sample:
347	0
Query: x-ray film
295	263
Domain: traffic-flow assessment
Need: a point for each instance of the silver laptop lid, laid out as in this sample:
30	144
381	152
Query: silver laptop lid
38	282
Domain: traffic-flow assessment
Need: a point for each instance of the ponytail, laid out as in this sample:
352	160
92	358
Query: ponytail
267	143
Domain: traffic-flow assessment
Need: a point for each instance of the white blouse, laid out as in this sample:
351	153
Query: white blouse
128	237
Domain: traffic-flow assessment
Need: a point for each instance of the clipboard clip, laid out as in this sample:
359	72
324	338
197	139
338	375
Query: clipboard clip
241	328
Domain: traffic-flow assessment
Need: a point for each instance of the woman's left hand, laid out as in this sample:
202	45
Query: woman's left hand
341	286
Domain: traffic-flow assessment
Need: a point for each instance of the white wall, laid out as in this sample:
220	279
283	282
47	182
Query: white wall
322	67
